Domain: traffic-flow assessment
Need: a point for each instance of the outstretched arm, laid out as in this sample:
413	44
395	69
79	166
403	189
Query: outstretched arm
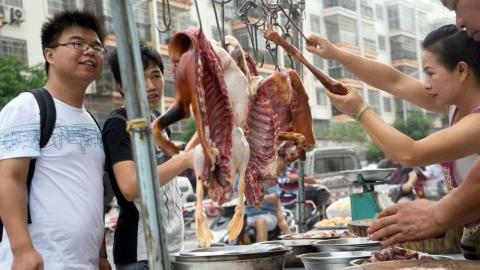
376	74
450	143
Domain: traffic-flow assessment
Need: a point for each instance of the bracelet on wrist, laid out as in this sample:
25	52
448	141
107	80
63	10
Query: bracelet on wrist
361	111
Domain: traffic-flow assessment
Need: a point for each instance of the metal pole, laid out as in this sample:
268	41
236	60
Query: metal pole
143	151
298	42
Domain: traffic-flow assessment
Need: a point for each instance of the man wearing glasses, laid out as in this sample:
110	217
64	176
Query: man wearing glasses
66	196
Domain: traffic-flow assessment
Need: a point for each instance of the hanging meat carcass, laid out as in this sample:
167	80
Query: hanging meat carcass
220	84
218	93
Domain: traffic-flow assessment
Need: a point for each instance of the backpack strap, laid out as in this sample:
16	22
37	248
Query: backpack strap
48	117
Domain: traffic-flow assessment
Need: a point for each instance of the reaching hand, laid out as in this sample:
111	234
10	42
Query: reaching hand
349	103
29	259
406	221
322	47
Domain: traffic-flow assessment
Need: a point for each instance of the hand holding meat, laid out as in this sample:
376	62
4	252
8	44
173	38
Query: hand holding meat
322	47
349	104
403	222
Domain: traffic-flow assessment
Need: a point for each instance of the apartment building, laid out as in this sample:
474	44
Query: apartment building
390	31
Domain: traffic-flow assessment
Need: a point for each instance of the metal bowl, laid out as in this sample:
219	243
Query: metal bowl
412	264
332	260
298	246
347	244
231	253
261	263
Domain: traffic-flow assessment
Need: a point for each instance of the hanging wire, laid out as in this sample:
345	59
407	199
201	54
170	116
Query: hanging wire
167	21
198	16
252	25
221	30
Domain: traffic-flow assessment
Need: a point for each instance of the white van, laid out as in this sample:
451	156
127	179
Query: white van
326	164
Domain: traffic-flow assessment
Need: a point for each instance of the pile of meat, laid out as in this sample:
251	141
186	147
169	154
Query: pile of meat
397	254
319	235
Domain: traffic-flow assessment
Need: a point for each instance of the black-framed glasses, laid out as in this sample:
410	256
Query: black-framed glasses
81	46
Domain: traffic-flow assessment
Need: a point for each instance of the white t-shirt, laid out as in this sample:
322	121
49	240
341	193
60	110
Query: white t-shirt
66	196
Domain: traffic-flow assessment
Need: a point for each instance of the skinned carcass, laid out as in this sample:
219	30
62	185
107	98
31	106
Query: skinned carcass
218	92
240	122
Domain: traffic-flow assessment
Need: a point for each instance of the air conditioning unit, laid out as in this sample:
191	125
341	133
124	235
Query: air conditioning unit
17	14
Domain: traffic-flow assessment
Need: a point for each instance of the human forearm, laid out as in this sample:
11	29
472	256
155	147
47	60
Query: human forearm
13	211
397	146
173	167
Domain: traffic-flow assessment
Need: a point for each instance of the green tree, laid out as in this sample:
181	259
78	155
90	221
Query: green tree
417	126
373	154
346	132
17	77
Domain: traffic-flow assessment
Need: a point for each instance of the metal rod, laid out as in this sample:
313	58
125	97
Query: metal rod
143	151
198	15
302	225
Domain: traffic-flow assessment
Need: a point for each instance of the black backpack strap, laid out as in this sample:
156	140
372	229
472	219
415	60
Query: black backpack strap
48	117
94	119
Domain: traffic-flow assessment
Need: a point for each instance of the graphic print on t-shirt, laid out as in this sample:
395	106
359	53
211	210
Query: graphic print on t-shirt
83	136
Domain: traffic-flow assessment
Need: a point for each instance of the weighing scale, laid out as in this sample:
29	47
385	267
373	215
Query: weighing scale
365	201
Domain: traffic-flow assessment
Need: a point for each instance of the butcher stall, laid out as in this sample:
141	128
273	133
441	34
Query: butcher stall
249	127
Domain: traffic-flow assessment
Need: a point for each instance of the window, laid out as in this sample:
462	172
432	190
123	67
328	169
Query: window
142	21
342	30
321	96
423	25
374	100
379	11
315	23
401	18
381	43
366	9
403	47
55	6
15	3
318	61
348	4
13	47
387	104
333	164
369	37
107	9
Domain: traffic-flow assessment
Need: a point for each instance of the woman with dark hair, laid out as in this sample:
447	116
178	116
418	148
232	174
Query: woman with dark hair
451	62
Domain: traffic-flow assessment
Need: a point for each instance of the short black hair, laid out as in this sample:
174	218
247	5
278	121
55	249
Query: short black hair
452	45
54	27
149	55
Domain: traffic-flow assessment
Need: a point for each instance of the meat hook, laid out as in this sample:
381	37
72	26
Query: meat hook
166	22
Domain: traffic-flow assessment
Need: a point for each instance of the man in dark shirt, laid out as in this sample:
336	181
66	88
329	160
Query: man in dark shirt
129	249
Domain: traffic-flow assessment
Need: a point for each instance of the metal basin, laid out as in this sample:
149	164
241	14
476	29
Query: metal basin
365	260
347	244
298	247
262	263
412	264
232	258
332	260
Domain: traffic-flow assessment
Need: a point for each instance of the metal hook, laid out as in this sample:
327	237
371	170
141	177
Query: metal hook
198	15
167	23
273	53
221	31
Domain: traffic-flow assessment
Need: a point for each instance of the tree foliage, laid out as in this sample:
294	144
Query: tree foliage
417	126
346	132
17	77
